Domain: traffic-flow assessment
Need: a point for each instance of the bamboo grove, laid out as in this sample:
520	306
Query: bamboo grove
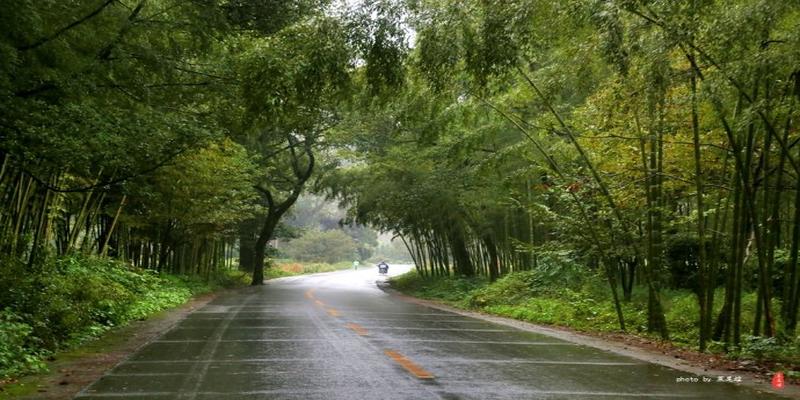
653	142
41	220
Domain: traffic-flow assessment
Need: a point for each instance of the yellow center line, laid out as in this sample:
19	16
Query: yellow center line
332	311
319	303
358	329
310	293
404	362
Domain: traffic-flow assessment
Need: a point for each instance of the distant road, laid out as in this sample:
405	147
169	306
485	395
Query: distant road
337	336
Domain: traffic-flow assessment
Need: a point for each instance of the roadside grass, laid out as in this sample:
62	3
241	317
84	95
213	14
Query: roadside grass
583	304
76	299
284	267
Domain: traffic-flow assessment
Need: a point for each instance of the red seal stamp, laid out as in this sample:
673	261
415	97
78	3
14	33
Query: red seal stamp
777	380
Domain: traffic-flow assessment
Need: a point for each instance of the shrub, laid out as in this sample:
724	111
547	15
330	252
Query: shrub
18	354
453	290
770	348
681	312
510	289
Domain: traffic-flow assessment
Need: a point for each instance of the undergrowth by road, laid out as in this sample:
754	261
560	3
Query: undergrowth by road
75	299
580	302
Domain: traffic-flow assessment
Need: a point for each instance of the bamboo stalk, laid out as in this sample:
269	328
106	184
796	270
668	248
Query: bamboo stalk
104	247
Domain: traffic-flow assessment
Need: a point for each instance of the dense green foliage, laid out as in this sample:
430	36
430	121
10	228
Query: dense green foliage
81	298
108	146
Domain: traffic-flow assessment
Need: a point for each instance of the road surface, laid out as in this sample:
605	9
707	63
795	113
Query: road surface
337	336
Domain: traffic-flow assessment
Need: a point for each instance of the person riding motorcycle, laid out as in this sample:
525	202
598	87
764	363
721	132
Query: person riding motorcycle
383	267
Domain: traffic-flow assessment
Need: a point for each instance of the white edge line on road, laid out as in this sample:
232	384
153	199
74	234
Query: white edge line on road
223	361
328	391
474	342
242	340
542	362
522	343
195	328
404	328
316	360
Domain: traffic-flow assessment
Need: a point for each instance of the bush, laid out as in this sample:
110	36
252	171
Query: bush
452	290
18	353
681	311
770	348
511	289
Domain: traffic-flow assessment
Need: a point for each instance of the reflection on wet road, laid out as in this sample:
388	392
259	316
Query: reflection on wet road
337	336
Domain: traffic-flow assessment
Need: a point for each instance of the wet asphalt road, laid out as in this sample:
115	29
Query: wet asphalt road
337	336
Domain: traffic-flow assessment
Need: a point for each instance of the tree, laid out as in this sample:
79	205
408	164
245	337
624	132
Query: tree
295	79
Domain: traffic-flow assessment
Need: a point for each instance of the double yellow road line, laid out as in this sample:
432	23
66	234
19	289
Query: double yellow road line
332	311
400	359
409	365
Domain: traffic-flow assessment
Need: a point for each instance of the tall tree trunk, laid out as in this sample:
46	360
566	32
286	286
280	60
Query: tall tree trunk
110	231
260	246
494	261
276	209
792	297
461	258
247	238
706	287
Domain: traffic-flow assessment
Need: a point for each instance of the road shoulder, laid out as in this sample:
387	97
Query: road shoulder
620	344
